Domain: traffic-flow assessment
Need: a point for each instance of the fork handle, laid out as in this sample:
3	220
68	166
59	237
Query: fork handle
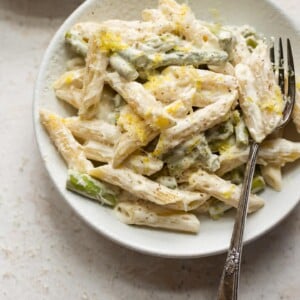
229	284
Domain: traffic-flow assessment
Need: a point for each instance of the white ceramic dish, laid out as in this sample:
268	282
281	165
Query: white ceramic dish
214	235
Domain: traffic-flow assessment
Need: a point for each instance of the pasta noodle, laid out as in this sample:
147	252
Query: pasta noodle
140	213
93	82
66	144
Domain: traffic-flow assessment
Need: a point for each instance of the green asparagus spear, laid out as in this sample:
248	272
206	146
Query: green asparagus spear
222	146
241	132
89	187
220	132
161	43
177	167
193	151
136	57
217	208
236	176
76	41
258	184
123	67
195	57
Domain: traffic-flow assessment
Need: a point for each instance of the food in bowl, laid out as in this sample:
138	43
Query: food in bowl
165	109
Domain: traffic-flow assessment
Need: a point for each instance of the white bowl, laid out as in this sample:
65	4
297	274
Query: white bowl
214	236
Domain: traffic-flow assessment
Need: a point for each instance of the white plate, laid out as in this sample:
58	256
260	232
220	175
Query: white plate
214	235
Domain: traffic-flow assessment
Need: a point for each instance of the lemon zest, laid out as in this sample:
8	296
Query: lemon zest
110	42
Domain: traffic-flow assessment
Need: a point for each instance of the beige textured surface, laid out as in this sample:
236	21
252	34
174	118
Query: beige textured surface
46	252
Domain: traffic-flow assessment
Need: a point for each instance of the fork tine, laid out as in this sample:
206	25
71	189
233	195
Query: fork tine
291	74
272	55
281	67
291	95
290	59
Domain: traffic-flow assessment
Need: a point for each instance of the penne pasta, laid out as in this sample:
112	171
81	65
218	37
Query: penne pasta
68	87
179	108
137	134
96	130
132	31
276	152
221	189
272	173
128	32
98	151
261	99
156	16
86	29
272	176
187	25
194	123
147	214
140	163
141	101
147	189
193	86
143	163
80	34
226	69
96	64
134	125
240	52
125	146
66	144
231	159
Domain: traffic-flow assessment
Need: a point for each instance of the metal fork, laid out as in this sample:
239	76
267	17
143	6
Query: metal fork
229	284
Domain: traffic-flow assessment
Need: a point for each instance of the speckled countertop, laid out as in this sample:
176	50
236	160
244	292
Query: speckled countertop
46	252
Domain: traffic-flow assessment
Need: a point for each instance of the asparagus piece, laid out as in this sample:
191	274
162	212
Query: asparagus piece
134	56
241	132
78	44
161	43
222	146
220	132
177	167
207	159
89	187
195	57
123	67
258	184
236	176
217	208
193	151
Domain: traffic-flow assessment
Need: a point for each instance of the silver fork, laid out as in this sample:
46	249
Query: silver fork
229	284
